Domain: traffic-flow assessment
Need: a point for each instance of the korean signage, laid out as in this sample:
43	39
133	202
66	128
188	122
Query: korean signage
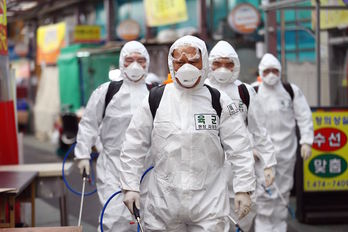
244	18
50	39
164	12
87	34
327	168
206	121
3	28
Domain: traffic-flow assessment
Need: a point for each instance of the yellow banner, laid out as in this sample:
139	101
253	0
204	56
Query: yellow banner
327	169
3	28
50	39
164	12
3	16
87	34
331	18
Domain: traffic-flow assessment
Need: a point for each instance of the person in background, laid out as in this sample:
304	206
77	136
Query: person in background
188	129
282	105
223	75
107	116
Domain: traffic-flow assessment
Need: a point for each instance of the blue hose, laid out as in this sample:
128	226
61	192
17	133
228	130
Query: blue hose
116	193
292	212
106	204
66	182
147	170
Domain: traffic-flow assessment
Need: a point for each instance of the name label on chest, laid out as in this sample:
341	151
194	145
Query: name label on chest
206	121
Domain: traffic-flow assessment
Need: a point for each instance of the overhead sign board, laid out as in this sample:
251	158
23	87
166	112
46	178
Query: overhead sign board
164	12
87	34
244	18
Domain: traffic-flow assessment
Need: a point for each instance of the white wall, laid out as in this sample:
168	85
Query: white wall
304	76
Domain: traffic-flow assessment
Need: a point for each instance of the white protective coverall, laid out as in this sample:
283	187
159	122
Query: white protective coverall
187	189
279	116
261	141
112	129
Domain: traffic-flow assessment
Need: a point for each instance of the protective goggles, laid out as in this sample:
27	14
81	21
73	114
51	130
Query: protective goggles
191	56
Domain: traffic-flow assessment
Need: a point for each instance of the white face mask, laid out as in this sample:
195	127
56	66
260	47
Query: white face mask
271	79
223	75
188	75
134	71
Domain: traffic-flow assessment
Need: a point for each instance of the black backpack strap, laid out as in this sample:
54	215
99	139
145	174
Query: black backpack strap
155	97
150	86
244	94
215	99
288	88
113	88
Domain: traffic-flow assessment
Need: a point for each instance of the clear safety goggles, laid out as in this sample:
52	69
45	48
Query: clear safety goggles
191	56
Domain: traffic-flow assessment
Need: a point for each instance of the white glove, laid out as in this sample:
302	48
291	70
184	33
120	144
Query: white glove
130	197
269	176
242	204
83	164
306	151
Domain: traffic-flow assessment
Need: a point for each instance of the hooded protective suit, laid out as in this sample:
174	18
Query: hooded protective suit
261	141
112	129
187	189
279	116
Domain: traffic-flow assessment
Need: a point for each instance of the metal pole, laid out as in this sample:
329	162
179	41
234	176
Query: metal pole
296	37
110	19
317	49
282	49
271	30
203	19
211	14
266	32
306	8
277	5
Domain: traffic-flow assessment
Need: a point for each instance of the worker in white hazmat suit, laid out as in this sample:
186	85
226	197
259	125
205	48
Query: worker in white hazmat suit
223	75
187	135
283	105
112	120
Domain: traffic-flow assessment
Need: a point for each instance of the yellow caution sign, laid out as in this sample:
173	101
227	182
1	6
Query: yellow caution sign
164	12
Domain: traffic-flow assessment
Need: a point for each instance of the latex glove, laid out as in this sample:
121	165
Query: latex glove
306	151
256	155
269	176
130	197
83	164
242	204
